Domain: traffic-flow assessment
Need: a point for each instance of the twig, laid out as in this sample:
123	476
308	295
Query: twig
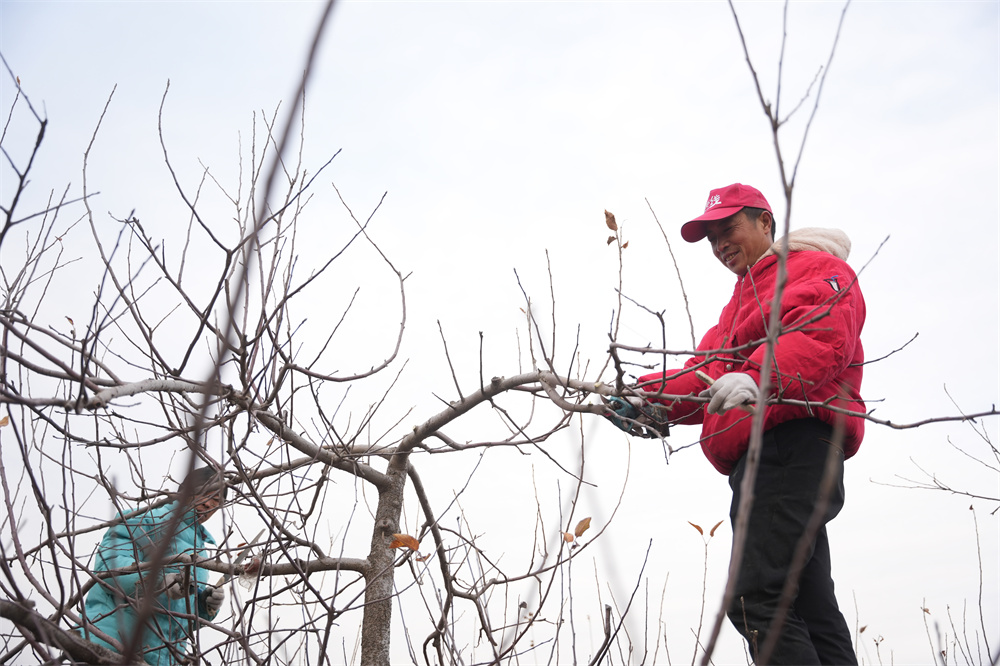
680	280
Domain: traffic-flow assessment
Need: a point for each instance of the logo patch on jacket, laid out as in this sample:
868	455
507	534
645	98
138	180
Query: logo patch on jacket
832	281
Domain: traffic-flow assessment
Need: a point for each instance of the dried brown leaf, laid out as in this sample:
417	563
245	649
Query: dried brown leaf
582	527
609	219
567	537
4	421
712	533
697	527
611	239
252	567
404	541
624	245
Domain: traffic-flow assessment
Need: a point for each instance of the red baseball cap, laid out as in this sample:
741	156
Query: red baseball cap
721	203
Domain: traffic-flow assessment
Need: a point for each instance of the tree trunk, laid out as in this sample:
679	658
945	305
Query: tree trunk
376	626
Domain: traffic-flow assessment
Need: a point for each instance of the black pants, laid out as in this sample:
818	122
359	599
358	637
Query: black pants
793	458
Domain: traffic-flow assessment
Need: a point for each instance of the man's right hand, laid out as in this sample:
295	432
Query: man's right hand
176	586
637	417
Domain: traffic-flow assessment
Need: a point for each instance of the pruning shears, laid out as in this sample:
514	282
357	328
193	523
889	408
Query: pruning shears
225	578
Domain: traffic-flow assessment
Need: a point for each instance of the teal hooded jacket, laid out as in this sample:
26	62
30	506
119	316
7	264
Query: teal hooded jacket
114	602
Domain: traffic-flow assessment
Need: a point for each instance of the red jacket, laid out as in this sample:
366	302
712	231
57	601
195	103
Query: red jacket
818	356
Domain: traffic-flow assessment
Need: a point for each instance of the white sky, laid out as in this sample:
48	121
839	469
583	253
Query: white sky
502	130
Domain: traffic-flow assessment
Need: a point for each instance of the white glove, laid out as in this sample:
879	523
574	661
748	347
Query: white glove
214	596
175	586
637	417
731	390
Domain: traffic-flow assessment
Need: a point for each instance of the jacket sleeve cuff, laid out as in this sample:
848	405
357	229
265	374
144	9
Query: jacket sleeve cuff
202	606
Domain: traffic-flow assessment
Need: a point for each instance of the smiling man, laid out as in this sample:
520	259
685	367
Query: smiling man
181	596
818	359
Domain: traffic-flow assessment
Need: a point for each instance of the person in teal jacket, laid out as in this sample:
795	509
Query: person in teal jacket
180	591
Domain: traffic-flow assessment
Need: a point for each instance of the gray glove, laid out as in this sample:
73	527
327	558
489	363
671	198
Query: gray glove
177	586
637	417
214	596
731	390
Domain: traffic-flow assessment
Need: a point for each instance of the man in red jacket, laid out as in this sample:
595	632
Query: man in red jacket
818	359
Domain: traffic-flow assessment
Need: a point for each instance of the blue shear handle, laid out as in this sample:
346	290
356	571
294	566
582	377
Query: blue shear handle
622	409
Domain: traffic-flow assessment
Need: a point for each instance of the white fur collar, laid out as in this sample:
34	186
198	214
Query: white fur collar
831	241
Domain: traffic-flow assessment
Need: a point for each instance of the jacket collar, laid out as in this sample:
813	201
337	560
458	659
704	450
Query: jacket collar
812	239
190	521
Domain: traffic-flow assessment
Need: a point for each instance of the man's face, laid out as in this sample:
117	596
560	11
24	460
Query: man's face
739	242
205	506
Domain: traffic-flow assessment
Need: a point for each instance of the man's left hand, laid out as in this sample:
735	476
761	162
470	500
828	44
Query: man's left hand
731	390
214	596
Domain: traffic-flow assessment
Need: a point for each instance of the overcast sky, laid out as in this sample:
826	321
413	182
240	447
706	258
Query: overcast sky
502	130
